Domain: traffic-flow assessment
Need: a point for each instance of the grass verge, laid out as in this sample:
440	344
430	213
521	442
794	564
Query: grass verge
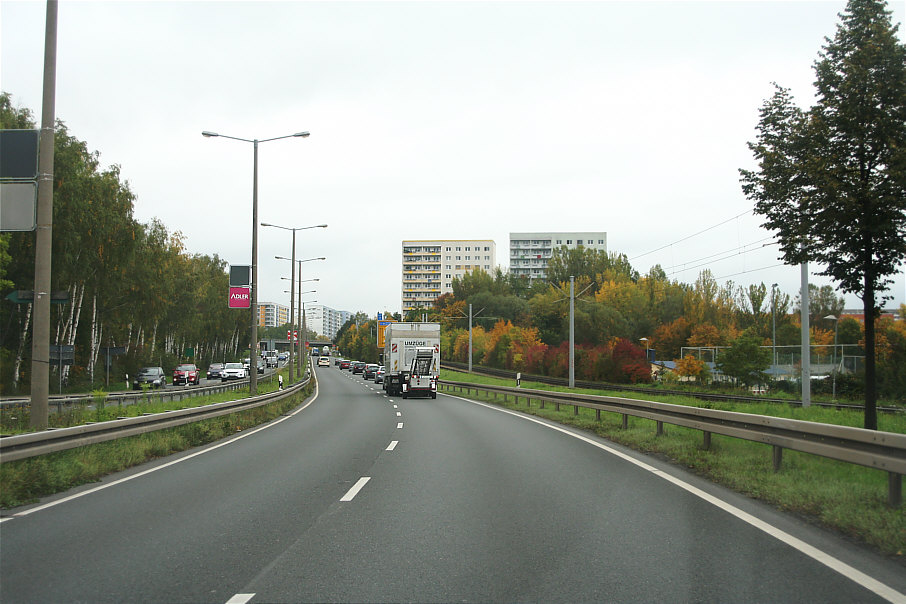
844	497
26	480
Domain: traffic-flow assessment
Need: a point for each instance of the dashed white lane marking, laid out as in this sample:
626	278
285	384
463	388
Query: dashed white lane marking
398	414
399	426
395	407
392	445
240	599
853	574
351	493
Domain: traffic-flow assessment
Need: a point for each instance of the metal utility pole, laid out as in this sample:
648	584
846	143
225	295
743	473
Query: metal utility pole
40	352
806	343
470	338
572	332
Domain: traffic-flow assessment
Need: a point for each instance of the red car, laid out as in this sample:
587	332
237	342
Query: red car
186	374
344	364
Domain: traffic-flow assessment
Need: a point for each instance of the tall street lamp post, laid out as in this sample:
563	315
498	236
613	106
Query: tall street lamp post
253	289
292	317
299	307
292	278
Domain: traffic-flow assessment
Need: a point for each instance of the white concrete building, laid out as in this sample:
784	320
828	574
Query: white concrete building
429	267
530	252
324	320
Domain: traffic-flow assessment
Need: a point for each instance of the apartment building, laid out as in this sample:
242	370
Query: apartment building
324	320
271	314
429	267
530	252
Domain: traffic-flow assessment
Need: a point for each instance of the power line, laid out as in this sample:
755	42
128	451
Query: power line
691	236
736	252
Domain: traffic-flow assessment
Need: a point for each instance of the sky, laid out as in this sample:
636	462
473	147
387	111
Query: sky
432	120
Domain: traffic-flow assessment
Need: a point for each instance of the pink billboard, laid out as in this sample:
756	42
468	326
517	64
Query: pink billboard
239	297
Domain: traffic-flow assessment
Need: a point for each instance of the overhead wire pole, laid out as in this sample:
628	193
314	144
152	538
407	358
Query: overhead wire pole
40	355
572	331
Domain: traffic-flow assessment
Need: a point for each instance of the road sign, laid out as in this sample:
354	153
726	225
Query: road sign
27	296
240	297
62	355
240	275
381	326
18	203
18	154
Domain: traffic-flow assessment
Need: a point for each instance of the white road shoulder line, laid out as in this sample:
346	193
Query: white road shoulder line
851	573
168	464
351	493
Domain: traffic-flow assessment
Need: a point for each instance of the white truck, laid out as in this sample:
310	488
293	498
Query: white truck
422	377
401	342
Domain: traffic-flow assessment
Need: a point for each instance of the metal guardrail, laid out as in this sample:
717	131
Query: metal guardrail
884	451
706	396
171	393
21	446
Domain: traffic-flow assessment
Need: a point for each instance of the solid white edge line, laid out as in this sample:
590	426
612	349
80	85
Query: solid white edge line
231	440
851	573
351	493
240	599
392	445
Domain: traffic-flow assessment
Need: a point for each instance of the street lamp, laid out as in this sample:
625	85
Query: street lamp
299	307
836	321
646	347
253	289
292	279
292	316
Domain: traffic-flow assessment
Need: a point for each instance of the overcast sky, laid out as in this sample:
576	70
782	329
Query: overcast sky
432	120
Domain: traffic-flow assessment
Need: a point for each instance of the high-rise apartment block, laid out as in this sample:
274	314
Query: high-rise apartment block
429	267
324	320
271	314
530	252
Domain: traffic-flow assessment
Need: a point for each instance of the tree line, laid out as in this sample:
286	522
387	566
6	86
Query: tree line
129	284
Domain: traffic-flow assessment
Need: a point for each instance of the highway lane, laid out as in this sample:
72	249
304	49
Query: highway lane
462	502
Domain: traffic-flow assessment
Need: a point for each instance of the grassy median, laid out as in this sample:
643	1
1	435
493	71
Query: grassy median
844	497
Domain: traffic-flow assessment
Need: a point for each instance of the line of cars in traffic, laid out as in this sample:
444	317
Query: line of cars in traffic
188	373
369	371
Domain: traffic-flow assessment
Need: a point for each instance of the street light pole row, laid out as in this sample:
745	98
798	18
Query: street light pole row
253	289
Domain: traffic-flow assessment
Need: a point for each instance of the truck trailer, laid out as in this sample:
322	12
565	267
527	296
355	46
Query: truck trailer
401	342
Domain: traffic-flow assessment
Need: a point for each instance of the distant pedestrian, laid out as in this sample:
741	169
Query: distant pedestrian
280	381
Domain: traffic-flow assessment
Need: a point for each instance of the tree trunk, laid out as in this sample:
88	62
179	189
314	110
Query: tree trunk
871	390
22	339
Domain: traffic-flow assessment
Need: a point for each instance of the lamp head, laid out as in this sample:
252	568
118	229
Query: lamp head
209	134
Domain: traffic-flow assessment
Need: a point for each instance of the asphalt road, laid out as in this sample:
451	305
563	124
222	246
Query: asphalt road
357	497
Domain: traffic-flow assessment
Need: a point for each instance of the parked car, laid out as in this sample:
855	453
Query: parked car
379	375
323	361
358	367
214	370
186	373
233	371
154	376
368	371
344	363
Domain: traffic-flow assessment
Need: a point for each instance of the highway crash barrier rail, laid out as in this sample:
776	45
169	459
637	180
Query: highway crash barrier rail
171	393
21	446
884	451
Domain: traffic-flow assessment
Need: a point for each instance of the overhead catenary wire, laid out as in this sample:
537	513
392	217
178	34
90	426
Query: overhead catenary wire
663	247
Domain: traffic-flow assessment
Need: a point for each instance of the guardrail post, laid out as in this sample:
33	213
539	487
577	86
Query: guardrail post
778	457
660	428
706	445
895	489
597	415
575	409
626	421
557	404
